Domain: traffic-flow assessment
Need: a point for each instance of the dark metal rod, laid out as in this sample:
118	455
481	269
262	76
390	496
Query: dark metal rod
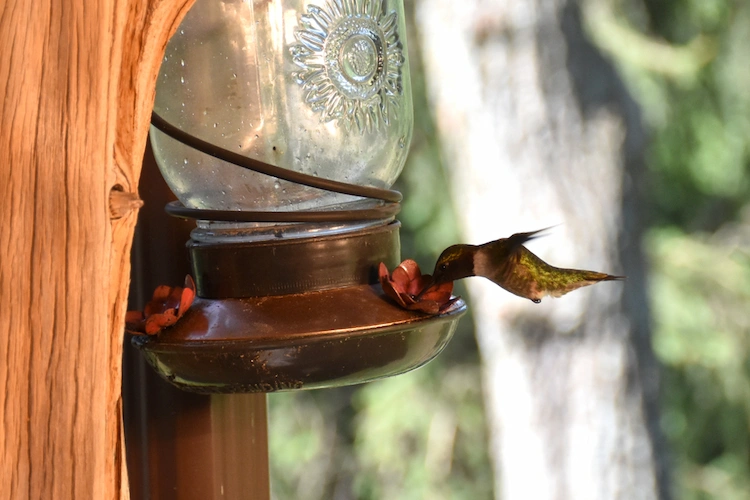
274	171
177	209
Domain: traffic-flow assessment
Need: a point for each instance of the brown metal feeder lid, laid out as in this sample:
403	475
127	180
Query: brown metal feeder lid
316	339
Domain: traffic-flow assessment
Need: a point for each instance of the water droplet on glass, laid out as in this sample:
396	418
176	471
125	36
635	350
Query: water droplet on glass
402	142
182	79
315	173
223	192
276	185
182	62
234	75
216	125
184	161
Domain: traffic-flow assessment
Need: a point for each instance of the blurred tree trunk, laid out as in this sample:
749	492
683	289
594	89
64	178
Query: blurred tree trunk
538	130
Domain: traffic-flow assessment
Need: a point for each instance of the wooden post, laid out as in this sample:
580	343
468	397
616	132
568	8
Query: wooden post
77	83
180	445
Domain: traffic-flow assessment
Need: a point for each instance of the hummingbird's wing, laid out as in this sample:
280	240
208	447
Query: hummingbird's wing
518	239
495	255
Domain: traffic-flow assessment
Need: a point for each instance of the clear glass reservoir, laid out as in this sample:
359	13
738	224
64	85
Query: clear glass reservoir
315	86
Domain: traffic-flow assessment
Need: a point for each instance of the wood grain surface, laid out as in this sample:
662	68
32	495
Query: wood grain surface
77	82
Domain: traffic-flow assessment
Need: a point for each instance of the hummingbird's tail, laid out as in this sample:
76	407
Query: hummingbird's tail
610	277
562	281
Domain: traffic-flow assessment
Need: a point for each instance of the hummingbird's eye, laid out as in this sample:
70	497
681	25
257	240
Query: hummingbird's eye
443	267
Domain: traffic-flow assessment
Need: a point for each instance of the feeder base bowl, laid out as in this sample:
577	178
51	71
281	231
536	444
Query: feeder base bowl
310	340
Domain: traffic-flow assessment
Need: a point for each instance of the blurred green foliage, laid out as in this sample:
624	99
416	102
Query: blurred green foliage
699	236
701	295
423	434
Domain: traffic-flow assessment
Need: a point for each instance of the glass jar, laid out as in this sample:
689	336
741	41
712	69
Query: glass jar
320	87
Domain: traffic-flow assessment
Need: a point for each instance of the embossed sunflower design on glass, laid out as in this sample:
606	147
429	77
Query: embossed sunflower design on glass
350	60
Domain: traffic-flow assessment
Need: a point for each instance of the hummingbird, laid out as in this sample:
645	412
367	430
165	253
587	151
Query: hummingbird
509	264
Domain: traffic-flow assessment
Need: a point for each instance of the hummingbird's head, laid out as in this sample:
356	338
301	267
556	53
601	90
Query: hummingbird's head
454	263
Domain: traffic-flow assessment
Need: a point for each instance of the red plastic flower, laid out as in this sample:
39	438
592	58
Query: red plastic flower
406	285
167	306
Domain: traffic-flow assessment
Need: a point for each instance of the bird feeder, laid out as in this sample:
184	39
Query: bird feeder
280	127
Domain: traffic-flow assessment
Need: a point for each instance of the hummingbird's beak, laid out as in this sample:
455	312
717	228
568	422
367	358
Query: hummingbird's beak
427	287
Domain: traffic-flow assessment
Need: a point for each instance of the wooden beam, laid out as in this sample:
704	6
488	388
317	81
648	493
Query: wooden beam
77	82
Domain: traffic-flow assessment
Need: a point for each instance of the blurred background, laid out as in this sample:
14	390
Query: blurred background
685	66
